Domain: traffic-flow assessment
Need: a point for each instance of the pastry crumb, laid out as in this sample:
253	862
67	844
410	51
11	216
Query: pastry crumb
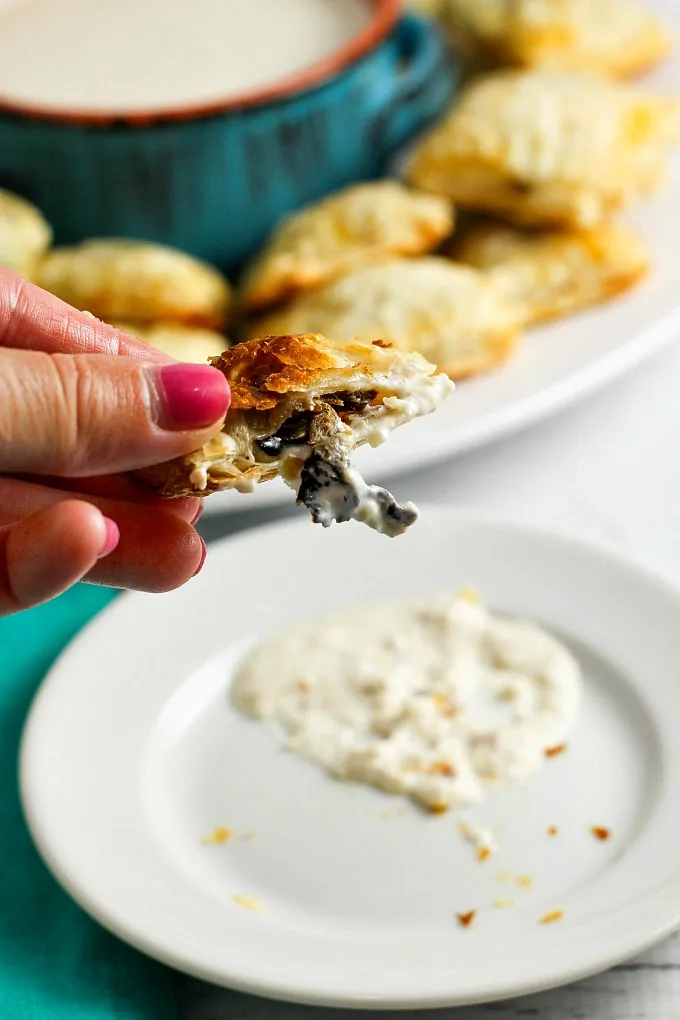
552	752
553	830
218	835
470	595
483	854
465	920
524	881
599	832
444	704
248	903
503	903
438	809
552	916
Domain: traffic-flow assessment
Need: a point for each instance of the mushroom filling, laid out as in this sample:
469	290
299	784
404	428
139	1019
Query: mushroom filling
327	484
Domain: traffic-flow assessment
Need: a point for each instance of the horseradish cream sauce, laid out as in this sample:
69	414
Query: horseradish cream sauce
440	700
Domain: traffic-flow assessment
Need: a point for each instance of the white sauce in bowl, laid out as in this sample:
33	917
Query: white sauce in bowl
440	700
140	55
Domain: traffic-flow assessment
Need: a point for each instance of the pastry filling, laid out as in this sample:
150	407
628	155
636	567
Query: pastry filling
314	448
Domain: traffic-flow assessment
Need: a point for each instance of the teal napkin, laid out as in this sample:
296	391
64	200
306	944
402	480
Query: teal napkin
55	962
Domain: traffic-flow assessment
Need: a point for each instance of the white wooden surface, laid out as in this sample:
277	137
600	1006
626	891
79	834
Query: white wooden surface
609	469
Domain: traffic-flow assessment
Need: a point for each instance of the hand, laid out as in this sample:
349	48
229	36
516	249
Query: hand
80	404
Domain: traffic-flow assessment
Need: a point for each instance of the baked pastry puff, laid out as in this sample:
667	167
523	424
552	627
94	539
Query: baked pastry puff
547	149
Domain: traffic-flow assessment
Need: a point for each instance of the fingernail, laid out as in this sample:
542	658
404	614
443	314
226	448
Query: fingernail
112	538
199	568
190	396
199	512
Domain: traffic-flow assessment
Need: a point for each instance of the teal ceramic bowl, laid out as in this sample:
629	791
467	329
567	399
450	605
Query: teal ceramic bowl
215	182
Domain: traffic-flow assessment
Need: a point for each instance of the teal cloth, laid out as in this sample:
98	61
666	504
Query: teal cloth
55	962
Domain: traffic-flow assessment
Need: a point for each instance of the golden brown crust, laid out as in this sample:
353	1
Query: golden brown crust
613	37
554	274
183	343
261	370
452	315
352	228
132	280
25	235
548	149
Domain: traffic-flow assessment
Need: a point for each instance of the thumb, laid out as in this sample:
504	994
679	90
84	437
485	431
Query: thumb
43	555
82	414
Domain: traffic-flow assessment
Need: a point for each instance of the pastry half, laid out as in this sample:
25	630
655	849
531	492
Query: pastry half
451	314
550	274
356	226
136	281
300	405
547	149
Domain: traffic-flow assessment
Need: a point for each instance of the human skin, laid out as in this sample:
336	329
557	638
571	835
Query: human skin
82	405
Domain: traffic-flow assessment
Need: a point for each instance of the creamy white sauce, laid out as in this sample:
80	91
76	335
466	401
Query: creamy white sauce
132	55
439	700
416	396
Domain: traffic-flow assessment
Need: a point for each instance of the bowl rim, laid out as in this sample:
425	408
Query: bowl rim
384	17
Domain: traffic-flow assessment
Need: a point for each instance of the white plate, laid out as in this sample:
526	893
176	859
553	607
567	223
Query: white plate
557	364
133	754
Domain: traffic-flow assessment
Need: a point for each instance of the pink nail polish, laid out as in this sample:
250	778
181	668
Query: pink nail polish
199	513
199	568
190	396
112	538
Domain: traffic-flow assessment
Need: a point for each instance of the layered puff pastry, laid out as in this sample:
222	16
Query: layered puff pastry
551	274
547	149
359	225
451	314
183	343
613	37
299	406
136	281
25	235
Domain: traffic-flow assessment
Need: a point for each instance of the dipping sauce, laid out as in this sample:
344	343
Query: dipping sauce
440	699
130	56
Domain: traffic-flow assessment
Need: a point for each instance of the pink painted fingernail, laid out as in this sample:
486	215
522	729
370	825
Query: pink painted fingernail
199	568
199	513
190	396
112	538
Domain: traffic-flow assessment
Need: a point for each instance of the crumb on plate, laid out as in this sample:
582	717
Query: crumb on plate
553	830
248	903
503	903
218	835
552	916
469	595
599	832
465	920
483	854
524	881
552	752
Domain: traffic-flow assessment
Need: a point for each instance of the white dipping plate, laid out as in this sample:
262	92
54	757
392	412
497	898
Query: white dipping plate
133	755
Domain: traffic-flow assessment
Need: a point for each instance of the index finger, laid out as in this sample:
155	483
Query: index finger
32	319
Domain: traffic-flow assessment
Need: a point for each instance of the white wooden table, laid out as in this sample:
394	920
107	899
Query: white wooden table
610	469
